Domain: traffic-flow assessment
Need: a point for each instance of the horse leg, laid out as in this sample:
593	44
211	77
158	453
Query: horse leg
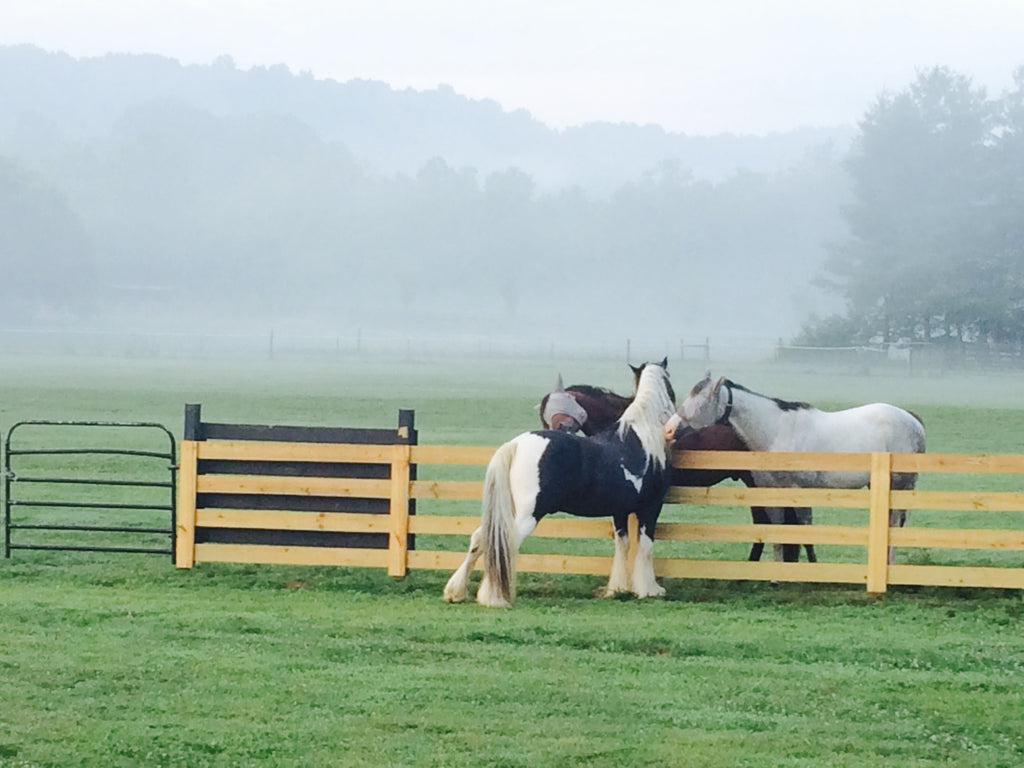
759	516
779	516
619	579
644	582
790	552
457	588
898	517
804	516
522	527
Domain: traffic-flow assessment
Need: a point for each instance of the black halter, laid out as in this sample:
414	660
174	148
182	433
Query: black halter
724	418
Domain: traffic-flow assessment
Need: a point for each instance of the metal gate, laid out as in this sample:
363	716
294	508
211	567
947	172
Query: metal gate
92	486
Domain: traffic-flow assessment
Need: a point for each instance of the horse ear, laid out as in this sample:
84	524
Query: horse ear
664	362
700	385
718	384
635	370
558	384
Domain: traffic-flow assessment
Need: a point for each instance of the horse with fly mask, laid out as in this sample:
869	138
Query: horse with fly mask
769	424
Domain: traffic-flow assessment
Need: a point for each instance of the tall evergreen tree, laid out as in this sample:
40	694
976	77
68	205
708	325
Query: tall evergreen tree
914	265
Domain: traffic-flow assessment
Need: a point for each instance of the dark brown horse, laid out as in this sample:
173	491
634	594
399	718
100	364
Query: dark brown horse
582	407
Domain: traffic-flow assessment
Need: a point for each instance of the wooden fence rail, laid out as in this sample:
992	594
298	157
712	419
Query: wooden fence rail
399	488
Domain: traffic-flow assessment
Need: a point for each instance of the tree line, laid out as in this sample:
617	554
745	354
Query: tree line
178	208
915	234
934	250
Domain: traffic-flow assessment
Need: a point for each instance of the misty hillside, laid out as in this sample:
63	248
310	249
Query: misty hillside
48	95
136	191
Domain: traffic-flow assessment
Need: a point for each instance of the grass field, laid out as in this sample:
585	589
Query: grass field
123	661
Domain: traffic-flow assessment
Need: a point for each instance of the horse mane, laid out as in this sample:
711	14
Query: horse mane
653	403
589	390
784	405
592	391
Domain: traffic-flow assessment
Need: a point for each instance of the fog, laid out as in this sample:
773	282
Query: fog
149	205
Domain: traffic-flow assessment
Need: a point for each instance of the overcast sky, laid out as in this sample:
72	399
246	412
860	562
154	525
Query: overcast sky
744	66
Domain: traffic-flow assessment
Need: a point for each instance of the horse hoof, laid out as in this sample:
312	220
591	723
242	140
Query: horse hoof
609	591
495	602
456	590
656	591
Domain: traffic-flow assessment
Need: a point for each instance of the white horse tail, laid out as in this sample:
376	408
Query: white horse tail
496	520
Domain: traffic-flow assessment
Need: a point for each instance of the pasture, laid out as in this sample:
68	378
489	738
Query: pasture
123	661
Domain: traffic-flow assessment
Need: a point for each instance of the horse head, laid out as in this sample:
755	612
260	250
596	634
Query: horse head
700	409
653	405
639	369
560	410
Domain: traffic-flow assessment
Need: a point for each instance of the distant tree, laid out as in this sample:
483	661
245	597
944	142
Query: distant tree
46	255
830	331
510	235
257	202
437	228
1006	203
917	263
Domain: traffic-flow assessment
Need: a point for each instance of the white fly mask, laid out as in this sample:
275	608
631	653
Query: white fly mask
561	402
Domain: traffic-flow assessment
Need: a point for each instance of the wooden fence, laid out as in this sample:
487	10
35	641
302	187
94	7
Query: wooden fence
294	494
211	460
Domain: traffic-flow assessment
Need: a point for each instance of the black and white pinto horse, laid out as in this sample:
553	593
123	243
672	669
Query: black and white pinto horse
616	473
769	424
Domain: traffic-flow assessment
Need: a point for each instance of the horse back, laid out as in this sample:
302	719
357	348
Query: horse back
864	429
881	427
596	476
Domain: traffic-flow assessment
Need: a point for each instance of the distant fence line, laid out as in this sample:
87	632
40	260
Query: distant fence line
914	358
272	343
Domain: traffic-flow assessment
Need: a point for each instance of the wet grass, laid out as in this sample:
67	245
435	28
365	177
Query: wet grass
123	661
131	663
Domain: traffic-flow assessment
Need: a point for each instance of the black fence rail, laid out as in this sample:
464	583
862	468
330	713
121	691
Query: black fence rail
88	486
292	485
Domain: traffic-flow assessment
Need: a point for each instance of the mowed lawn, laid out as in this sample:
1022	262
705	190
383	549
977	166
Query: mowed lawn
123	661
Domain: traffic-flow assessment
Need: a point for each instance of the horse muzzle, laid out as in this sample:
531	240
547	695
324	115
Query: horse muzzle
677	430
565	423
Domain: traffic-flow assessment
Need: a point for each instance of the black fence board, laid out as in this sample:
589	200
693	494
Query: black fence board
292	503
197	429
295	469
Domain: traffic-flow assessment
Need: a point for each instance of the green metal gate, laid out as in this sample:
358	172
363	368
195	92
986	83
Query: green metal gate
92	486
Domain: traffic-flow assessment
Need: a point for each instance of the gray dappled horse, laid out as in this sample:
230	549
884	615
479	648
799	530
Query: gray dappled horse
769	424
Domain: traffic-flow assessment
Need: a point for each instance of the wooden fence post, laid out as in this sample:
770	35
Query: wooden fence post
188	473
398	540
185	514
878	522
